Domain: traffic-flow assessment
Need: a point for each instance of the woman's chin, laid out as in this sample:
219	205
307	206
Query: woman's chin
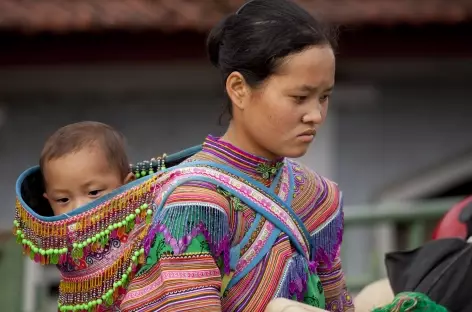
296	152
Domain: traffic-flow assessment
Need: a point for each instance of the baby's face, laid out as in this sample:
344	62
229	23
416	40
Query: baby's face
79	178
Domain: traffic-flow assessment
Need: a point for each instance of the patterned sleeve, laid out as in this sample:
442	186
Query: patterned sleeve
187	254
329	268
334	285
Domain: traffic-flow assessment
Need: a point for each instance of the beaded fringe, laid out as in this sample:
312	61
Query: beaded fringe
295	279
71	240
327	241
180	224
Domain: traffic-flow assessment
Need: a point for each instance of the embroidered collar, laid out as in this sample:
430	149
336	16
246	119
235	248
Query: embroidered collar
256	166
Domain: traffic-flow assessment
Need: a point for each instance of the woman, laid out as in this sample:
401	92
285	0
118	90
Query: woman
278	66
235	225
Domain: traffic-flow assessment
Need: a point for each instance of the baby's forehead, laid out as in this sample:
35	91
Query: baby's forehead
79	166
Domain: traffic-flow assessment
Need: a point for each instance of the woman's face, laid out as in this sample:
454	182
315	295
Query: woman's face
281	116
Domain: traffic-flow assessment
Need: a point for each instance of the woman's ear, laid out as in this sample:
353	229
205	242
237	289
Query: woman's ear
237	89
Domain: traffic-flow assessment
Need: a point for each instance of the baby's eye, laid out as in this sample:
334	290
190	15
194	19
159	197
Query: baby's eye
62	200
95	192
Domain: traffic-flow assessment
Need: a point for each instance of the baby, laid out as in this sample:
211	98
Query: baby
82	162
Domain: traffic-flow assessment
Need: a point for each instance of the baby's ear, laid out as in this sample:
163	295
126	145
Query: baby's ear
130	177
45	195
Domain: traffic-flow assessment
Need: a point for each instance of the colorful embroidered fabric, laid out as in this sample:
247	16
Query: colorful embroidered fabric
208	250
97	248
411	302
197	236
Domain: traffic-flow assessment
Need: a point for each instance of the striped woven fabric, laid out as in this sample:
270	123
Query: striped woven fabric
208	250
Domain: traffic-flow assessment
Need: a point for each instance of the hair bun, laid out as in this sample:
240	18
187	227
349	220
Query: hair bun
215	40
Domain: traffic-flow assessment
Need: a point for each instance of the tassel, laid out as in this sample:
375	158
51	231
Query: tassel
77	253
109	300
141	259
129	226
54	258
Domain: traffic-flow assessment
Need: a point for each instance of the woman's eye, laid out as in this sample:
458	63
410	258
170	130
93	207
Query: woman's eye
324	98
300	99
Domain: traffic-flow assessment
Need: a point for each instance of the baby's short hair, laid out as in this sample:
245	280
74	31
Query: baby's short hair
74	137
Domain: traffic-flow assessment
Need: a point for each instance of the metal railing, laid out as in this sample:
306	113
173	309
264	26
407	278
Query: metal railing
416	215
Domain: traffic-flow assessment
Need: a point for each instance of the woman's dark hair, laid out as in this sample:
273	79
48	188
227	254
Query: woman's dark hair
256	38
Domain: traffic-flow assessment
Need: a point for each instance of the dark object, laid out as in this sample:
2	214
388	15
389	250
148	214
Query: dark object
441	269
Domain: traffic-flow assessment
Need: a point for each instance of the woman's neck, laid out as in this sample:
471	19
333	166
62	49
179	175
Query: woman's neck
243	141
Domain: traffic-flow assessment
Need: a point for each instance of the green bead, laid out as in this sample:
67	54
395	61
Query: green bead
141	251
74	245
94	239
35	249
124	277
99	301
18	232
138	211
132	216
94	303
42	252
133	258
55	251
128	218
89	240
81	245
129	269
143	173
115	284
137	175
63	308
119	283
64	250
144	206
107	232
49	251
22	235
151	172
23	241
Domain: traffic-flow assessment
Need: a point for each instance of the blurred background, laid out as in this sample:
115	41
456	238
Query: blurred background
397	140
